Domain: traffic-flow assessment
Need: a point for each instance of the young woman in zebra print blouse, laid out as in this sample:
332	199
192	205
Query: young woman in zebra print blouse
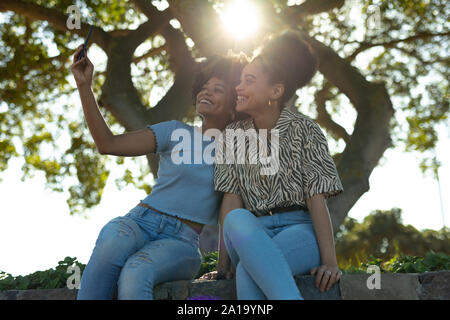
278	225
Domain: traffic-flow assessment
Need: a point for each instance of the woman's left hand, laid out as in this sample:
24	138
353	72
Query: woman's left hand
327	275
217	275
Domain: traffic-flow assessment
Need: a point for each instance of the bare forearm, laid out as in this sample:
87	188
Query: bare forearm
323	229
229	203
100	131
224	260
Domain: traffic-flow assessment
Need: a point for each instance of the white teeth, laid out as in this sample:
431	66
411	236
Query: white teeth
241	98
205	101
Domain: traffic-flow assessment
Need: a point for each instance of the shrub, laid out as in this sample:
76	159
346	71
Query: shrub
57	278
209	263
48	279
433	261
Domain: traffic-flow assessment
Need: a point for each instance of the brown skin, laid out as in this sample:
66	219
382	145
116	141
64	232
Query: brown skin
225	269
261	100
216	115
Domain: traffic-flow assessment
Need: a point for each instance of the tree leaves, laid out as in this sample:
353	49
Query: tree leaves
34	74
382	234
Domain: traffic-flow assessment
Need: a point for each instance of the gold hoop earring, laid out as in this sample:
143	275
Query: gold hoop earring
270	103
233	116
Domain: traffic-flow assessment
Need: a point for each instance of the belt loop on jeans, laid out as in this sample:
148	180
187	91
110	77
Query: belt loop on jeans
276	219
161	224
178	226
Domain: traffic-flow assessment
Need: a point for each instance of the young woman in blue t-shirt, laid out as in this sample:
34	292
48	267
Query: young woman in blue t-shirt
157	241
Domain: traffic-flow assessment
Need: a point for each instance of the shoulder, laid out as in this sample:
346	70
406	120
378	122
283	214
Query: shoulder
181	125
175	126
241	124
165	129
302	123
165	124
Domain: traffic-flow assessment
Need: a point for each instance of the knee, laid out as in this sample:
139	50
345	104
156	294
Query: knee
237	217
239	223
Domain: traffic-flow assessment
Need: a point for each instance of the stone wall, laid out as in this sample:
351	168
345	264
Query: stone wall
410	286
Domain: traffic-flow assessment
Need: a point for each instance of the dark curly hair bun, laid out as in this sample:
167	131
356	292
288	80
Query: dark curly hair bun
290	60
226	67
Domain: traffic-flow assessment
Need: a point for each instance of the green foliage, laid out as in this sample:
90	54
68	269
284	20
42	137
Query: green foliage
401	263
382	234
36	118
209	263
431	262
415	70
34	75
48	279
57	278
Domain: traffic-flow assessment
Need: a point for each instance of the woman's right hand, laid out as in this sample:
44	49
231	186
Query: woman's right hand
83	69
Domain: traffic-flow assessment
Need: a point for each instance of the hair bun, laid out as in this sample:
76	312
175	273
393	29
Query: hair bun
289	59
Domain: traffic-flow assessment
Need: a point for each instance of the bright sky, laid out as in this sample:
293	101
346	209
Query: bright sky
36	230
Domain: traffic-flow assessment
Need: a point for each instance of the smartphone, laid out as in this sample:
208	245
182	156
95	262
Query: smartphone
83	52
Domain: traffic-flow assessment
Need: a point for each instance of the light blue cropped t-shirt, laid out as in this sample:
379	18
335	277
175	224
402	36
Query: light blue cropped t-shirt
185	183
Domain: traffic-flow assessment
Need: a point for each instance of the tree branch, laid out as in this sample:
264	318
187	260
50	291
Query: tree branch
177	100
371	134
57	19
202	24
311	7
146	7
390	44
150	53
324	118
154	25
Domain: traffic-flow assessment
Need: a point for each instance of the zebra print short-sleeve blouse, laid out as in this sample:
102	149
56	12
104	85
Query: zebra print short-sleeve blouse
305	166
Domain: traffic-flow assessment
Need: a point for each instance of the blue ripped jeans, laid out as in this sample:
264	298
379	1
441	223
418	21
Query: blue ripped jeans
135	252
267	251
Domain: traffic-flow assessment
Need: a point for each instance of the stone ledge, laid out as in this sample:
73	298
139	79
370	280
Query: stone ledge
407	286
392	287
435	285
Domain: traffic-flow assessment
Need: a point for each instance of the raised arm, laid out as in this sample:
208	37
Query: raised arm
136	143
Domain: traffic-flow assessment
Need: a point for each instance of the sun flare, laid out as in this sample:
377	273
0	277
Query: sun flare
240	19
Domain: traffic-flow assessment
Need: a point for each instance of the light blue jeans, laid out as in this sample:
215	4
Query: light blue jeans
135	252
268	251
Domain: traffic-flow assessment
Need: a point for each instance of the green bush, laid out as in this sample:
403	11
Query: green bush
433	261
57	278
411	264
383	234
209	263
48	279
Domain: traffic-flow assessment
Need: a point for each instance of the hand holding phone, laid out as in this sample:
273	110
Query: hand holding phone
83	52
82	69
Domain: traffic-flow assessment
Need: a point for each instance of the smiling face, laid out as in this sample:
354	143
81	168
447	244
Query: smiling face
254	91
214	99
